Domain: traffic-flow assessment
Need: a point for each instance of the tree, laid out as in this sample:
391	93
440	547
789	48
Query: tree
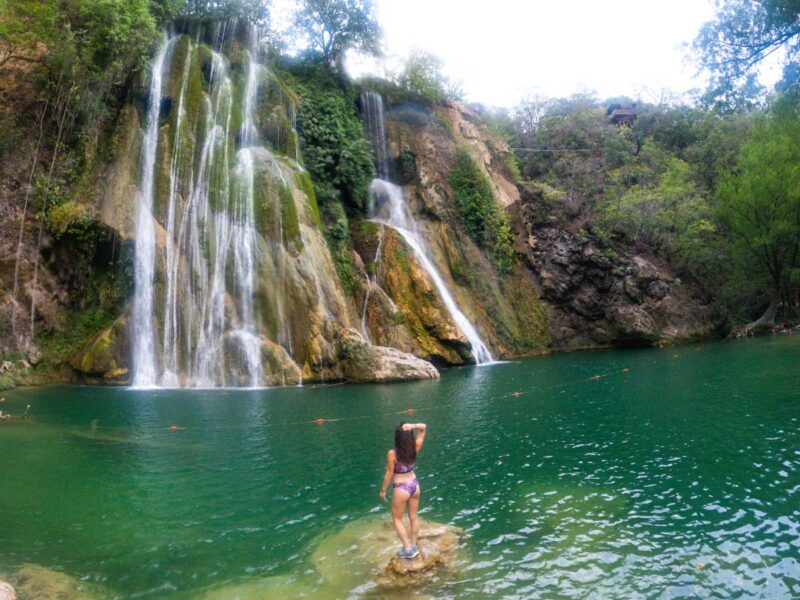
760	204
255	11
331	27
24	25
422	75
527	115
744	33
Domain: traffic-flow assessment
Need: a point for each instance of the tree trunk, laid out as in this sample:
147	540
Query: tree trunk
769	315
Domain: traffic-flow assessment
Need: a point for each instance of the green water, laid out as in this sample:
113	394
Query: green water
676	478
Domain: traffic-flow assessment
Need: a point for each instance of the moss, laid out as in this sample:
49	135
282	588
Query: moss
530	329
303	180
289	219
6	383
401	256
267	189
76	328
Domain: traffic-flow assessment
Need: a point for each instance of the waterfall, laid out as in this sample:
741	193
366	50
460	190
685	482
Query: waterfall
391	209
388	207
143	334
372	103
210	335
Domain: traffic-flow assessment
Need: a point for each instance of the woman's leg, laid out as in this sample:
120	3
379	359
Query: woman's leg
413	508
399	501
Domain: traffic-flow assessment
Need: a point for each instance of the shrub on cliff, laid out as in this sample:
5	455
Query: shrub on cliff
335	150
483	219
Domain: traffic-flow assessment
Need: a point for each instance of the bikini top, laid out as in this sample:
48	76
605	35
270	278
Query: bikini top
400	468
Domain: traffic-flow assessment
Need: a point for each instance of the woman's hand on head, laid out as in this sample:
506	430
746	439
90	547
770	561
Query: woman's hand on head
409	426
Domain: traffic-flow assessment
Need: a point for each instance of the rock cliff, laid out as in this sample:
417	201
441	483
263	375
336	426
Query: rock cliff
301	322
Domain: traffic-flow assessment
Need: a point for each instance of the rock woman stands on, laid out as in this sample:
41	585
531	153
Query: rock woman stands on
400	462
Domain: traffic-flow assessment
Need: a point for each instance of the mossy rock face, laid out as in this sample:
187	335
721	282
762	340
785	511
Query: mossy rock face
7	383
303	181
424	315
105	357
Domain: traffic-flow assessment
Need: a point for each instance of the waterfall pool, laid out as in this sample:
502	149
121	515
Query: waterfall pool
624	473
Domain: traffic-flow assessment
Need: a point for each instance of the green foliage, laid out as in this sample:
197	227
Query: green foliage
483	219
254	11
338	236
741	35
422	75
303	180
331	27
335	150
760	201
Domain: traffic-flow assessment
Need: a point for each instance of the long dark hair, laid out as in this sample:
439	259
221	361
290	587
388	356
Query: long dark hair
405	445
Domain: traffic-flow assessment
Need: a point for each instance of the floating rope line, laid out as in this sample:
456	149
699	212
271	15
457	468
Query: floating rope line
319	421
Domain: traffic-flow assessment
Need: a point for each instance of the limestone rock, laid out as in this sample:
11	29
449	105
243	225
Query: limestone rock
104	359
437	547
34	581
7	592
364	362
362	555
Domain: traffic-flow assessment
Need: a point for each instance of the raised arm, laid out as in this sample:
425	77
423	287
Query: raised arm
387	477
421	428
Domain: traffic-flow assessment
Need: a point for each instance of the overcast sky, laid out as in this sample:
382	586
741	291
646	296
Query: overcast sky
504	50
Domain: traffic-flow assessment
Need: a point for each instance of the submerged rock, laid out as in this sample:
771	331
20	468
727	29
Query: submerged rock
34	581
362	555
437	548
7	592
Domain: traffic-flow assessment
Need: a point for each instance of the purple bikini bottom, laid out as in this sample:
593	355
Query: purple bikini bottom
409	486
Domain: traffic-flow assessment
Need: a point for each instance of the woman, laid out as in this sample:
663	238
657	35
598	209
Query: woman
405	490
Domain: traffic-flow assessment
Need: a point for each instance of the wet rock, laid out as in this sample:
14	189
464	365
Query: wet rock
362	555
378	364
104	359
33	581
7	592
437	548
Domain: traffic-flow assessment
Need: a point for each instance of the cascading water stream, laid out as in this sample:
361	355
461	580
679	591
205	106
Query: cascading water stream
389	208
210	334
143	331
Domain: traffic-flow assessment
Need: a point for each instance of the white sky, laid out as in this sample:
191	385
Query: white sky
504	50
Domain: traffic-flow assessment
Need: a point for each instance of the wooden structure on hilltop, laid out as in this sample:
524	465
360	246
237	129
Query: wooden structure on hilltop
621	115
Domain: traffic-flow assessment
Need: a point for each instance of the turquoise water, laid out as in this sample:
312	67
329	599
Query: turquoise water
679	477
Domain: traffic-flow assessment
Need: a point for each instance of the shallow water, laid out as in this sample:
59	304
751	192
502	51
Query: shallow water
675	473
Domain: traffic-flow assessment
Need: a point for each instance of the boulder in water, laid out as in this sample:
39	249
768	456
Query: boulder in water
7	592
362	555
364	362
34	581
437	546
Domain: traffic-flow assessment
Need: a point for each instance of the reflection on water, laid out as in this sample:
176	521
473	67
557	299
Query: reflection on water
620	473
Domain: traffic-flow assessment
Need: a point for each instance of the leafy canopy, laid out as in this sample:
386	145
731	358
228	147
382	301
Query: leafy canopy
422	75
744	33
331	27
760	201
